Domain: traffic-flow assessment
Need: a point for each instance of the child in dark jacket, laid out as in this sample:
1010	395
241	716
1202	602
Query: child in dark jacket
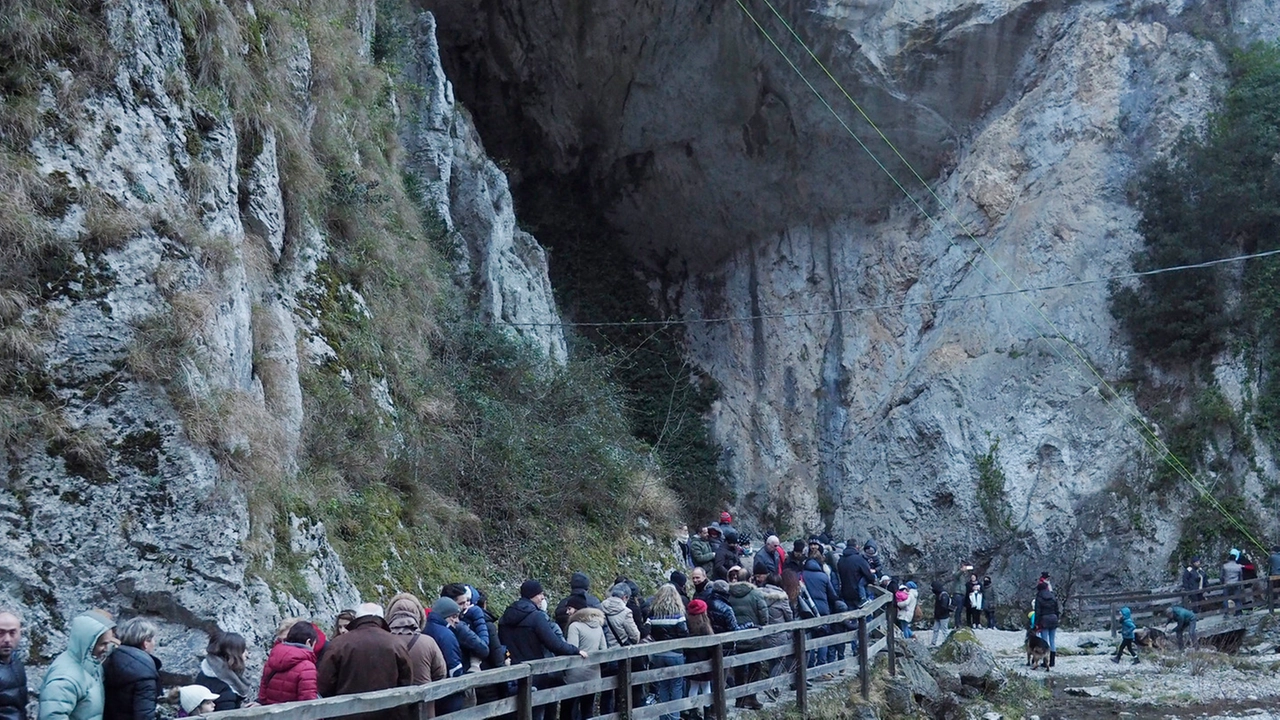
1127	629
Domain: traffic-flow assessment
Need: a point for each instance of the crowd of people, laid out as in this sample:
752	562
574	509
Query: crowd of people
109	671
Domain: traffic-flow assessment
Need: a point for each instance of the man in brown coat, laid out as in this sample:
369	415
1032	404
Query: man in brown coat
405	616
367	657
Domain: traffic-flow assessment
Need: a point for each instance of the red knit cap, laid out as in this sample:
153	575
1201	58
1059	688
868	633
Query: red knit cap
697	607
725	518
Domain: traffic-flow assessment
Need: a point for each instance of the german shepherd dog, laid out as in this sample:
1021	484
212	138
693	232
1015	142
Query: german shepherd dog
1037	651
1151	638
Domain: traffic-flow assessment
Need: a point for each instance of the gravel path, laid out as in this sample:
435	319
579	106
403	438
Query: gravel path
1164	678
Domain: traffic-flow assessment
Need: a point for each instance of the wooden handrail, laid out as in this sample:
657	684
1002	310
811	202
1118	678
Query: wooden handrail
873	614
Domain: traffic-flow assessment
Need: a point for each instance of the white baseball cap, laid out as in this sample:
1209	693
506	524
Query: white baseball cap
191	697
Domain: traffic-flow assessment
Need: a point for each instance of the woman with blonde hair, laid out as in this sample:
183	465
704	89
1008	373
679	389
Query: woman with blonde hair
667	622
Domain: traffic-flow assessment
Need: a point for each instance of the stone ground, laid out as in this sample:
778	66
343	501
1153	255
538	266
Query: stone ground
1165	684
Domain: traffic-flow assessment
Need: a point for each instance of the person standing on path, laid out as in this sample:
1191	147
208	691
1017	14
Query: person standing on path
1046	612
13	674
941	611
989	601
1194	580
365	658
131	674
1232	572
72	688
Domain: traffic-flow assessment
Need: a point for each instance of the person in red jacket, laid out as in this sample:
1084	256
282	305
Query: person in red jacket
290	672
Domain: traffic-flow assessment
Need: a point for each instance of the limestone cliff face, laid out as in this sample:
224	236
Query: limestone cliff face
176	329
858	398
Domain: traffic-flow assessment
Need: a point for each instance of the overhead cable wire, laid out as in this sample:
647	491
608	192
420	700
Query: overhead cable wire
1111	397
893	305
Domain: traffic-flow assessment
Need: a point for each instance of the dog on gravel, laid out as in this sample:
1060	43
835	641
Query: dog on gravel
1150	637
1037	651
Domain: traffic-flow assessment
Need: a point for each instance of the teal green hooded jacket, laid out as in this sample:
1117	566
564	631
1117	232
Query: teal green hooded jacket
72	689
1182	615
1127	626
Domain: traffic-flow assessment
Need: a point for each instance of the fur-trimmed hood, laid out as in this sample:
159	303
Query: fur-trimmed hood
588	616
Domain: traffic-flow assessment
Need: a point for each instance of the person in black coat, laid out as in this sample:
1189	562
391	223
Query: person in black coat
855	575
13	674
530	635
727	555
579	597
131	674
1046	610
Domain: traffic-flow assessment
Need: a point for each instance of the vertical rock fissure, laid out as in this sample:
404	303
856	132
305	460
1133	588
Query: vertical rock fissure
832	416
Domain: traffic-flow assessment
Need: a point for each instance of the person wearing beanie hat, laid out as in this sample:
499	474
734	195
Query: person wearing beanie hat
855	575
699	624
680	581
579	597
440	623
365	658
530	635
195	700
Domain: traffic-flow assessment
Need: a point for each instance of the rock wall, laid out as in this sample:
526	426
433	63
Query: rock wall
858	398
176	335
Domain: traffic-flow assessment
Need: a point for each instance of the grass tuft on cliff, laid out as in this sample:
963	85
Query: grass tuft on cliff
434	448
1216	195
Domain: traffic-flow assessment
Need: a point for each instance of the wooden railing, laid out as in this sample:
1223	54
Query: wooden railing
875	619
1102	610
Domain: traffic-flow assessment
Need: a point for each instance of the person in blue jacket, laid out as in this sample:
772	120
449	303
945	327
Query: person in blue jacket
1127	629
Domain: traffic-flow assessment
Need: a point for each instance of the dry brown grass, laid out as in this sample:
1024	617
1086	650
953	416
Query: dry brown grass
108	225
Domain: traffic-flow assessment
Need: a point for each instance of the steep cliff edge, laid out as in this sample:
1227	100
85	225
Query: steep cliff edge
260	289
855	398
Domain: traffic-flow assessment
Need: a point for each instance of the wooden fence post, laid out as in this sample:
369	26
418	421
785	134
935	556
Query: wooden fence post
421	711
623	694
802	671
1111	618
1271	595
890	624
717	683
524	698
864	670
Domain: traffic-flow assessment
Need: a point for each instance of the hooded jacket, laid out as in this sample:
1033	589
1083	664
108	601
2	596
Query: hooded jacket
1046	610
719	611
405	617
368	657
819	585
72	688
13	689
852	568
871	551
587	632
748	604
941	601
289	675
620	624
131	680
1127	626
529	634
779	605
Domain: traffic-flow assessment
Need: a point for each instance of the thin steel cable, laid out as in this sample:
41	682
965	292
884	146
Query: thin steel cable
1145	431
